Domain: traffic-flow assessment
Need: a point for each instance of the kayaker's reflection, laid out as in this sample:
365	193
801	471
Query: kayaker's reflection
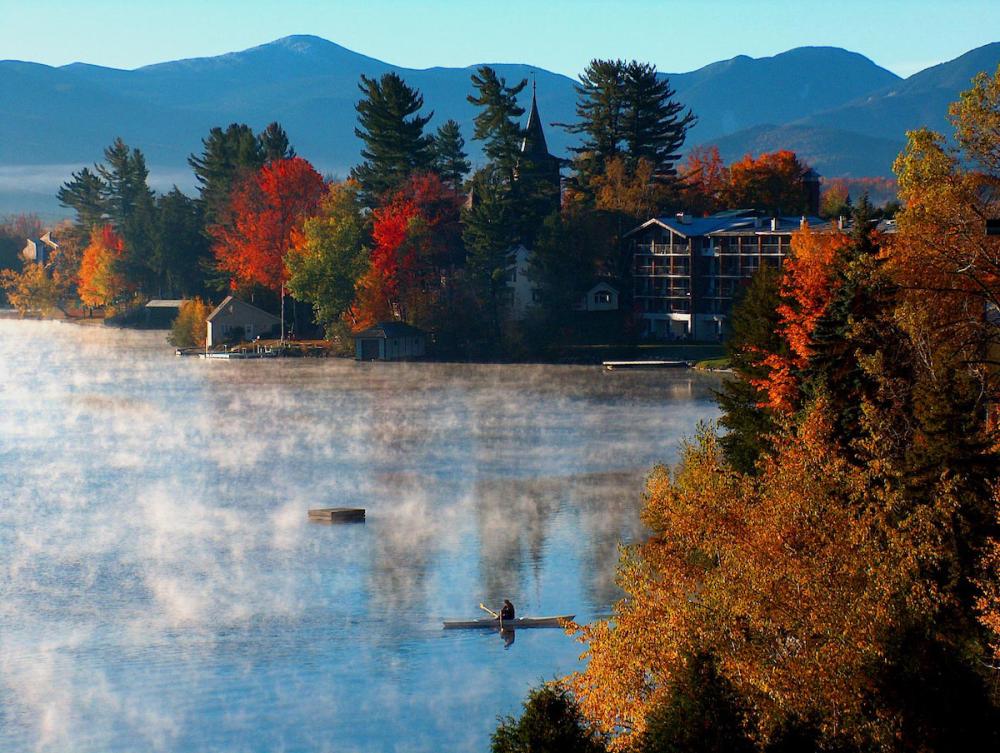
508	637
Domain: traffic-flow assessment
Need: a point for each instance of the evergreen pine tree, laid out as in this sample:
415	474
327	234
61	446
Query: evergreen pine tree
131	210
182	249
392	130
274	144
753	327
489	232
450	159
654	124
600	105
227	156
497	123
84	193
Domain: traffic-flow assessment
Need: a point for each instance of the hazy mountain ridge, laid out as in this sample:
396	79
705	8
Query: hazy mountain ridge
840	110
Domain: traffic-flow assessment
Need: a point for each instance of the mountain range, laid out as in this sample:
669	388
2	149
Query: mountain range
841	112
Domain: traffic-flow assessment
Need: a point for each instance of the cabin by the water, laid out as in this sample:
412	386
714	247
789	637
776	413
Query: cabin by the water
236	320
389	341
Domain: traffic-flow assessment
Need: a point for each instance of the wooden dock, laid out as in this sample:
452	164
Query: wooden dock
337	515
612	365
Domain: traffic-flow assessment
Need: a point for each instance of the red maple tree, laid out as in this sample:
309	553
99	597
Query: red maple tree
415	234
265	209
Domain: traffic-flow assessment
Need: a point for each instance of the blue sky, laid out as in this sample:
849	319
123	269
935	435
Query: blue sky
561	35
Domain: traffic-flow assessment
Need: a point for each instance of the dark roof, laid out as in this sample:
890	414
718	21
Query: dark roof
385	330
725	222
533	143
230	300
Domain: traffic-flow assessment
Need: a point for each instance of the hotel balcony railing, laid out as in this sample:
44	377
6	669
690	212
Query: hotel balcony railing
662	249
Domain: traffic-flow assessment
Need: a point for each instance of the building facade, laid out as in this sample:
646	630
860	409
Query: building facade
389	341
686	271
234	319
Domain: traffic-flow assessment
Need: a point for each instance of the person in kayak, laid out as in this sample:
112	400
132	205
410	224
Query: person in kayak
506	611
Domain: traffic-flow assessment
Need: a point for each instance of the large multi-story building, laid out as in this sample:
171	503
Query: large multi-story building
687	270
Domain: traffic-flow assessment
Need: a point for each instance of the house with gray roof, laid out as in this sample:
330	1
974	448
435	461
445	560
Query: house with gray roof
234	319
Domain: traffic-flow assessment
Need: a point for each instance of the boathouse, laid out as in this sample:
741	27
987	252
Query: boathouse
161	312
234	319
389	341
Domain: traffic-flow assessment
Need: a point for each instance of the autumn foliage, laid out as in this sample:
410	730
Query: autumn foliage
414	237
101	280
264	211
809	284
845	584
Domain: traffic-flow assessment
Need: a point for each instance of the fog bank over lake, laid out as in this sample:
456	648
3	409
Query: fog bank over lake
162	589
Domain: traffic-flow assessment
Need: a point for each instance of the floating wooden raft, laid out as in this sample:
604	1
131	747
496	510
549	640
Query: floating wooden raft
338	514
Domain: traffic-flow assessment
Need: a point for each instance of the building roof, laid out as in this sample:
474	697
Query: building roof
386	330
595	284
166	303
740	222
533	144
233	301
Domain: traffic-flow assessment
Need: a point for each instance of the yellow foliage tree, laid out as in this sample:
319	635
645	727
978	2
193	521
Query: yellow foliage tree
34	289
189	329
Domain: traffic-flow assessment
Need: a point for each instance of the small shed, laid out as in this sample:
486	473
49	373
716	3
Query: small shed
161	312
389	341
236	319
601	297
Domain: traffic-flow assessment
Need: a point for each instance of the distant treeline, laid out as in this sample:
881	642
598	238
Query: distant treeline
411	234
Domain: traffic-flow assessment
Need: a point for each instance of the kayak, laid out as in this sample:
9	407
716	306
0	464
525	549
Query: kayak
491	623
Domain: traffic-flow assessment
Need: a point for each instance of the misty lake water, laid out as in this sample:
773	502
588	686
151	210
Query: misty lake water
162	589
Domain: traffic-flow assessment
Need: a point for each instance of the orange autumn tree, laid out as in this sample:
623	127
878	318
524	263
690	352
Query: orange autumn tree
827	587
808	285
780	578
415	241
100	280
705	180
265	210
772	181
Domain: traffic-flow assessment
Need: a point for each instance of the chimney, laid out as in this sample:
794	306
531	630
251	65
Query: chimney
841	222
803	223
810	182
774	223
684	218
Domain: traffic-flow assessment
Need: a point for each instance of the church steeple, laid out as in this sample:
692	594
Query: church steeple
533	144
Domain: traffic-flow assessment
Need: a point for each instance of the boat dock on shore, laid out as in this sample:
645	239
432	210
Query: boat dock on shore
612	365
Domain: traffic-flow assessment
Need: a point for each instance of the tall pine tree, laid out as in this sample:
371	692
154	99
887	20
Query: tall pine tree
274	144
131	210
497	123
392	130
599	107
84	194
655	125
227	157
450	159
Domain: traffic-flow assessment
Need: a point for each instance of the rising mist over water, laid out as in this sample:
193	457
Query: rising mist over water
162	589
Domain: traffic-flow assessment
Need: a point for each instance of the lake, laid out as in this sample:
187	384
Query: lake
161	588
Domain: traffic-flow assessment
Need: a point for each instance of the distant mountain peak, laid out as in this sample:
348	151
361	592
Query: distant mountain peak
301	43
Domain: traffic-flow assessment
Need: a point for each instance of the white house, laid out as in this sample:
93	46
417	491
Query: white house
234	318
601	297
521	293
39	250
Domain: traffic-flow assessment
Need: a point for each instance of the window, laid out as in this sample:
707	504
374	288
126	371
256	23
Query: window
602	297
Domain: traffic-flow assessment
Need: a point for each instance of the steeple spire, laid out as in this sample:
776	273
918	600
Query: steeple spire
534	143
